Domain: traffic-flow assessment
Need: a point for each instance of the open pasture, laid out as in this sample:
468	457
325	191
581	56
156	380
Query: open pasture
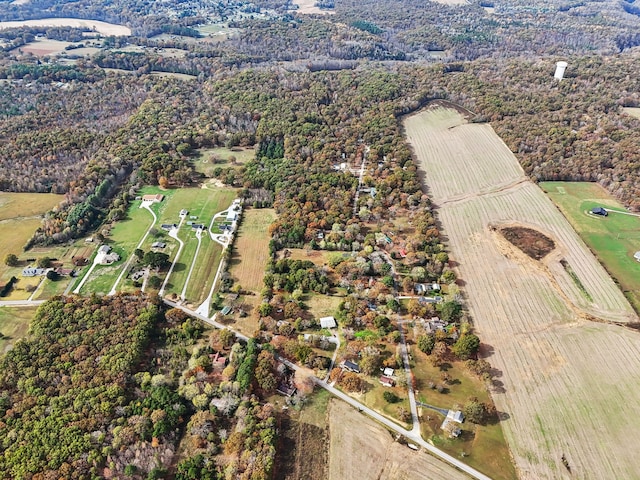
614	239
361	448
22	205
14	325
567	378
251	252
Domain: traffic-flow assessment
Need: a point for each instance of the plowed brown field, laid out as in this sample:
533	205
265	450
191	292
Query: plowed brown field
570	378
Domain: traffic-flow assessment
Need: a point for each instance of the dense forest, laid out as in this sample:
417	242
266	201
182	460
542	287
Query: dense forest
106	387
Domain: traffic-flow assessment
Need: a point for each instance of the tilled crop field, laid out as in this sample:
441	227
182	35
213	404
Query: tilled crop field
570	378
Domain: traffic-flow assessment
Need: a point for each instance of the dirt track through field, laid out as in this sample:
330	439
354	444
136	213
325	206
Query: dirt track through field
569	385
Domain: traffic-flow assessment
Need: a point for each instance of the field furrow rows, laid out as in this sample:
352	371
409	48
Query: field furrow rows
568	386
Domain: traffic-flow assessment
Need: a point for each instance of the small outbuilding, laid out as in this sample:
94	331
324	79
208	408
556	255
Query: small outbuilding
637	256
153	198
328	322
599	211
387	381
158	245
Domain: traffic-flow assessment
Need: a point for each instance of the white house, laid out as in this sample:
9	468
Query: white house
328	322
455	416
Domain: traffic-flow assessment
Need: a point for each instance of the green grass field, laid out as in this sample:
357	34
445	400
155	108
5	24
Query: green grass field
202	203
613	239
14	324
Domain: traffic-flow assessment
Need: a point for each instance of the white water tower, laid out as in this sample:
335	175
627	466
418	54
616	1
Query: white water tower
560	68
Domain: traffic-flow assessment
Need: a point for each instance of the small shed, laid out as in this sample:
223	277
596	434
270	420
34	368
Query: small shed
158	245
599	211
387	381
637	256
184	212
328	322
388	372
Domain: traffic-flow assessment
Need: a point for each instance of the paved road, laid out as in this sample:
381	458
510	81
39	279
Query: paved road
409	434
21	303
125	269
210	321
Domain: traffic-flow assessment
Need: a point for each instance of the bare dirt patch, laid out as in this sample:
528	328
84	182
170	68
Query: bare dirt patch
532	242
361	448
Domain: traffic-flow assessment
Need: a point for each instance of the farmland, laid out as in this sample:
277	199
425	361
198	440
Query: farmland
252	249
19	218
100	27
207	159
613	239
567	378
250	257
360	448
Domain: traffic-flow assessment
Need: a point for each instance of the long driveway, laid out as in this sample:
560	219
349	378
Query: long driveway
407	369
145	205
173	234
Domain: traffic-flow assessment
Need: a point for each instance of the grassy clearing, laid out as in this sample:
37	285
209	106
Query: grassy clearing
14	324
484	446
251	252
322	305
203	159
373	399
614	239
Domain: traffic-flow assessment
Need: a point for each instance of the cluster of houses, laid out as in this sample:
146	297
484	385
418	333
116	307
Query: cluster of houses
387	379
38	272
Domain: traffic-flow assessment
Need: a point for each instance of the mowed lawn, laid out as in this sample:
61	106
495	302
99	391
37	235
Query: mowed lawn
123	239
202	203
613	239
14	324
